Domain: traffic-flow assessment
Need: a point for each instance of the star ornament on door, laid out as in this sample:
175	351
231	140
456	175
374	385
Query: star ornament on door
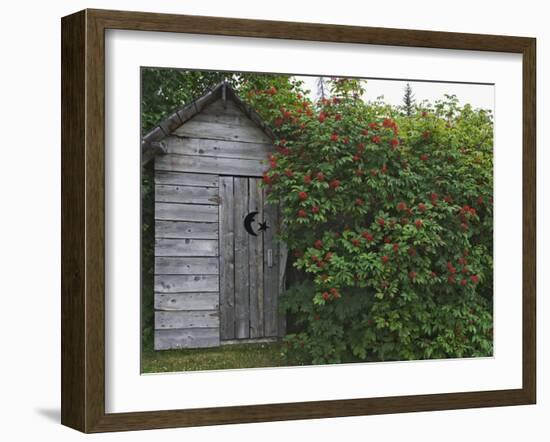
249	219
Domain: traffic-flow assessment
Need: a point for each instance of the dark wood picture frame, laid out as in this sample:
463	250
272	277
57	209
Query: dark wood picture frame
83	220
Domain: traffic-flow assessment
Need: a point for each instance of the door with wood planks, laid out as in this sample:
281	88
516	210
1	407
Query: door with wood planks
248	261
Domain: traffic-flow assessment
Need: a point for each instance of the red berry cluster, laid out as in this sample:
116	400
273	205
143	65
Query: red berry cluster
367	236
464	271
465	214
331	294
388	123
452	272
401	206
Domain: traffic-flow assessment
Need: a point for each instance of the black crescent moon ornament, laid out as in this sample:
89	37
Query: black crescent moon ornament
248	223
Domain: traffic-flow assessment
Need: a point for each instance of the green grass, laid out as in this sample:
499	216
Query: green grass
217	358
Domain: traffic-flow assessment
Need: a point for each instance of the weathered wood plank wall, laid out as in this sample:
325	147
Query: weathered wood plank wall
187	338
186	212
185	179
187	301
184	229
211	165
271	274
211	277
227	258
186	247
177	265
256	259
207	147
186	281
242	265
186	194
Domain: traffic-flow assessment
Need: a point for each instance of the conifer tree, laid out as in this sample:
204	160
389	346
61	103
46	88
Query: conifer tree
408	100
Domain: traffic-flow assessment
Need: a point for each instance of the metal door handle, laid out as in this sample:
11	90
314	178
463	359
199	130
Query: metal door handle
270	257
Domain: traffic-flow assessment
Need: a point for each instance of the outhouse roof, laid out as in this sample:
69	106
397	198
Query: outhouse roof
151	143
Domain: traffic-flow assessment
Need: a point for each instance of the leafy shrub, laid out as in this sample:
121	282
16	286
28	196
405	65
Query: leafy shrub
389	222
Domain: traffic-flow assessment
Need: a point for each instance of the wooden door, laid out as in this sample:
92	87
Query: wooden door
248	261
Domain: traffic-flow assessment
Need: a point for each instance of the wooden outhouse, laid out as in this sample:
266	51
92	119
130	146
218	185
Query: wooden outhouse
218	268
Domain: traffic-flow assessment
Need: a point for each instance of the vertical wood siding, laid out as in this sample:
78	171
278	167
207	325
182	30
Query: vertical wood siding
271	273
256	260
227	259
242	265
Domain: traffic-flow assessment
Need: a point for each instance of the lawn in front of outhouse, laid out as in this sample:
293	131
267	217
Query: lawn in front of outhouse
216	358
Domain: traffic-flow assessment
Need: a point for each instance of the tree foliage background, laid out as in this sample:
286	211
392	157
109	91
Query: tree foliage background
387	212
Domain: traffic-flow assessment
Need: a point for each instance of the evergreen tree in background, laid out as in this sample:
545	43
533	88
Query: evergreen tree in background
408	100
321	88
